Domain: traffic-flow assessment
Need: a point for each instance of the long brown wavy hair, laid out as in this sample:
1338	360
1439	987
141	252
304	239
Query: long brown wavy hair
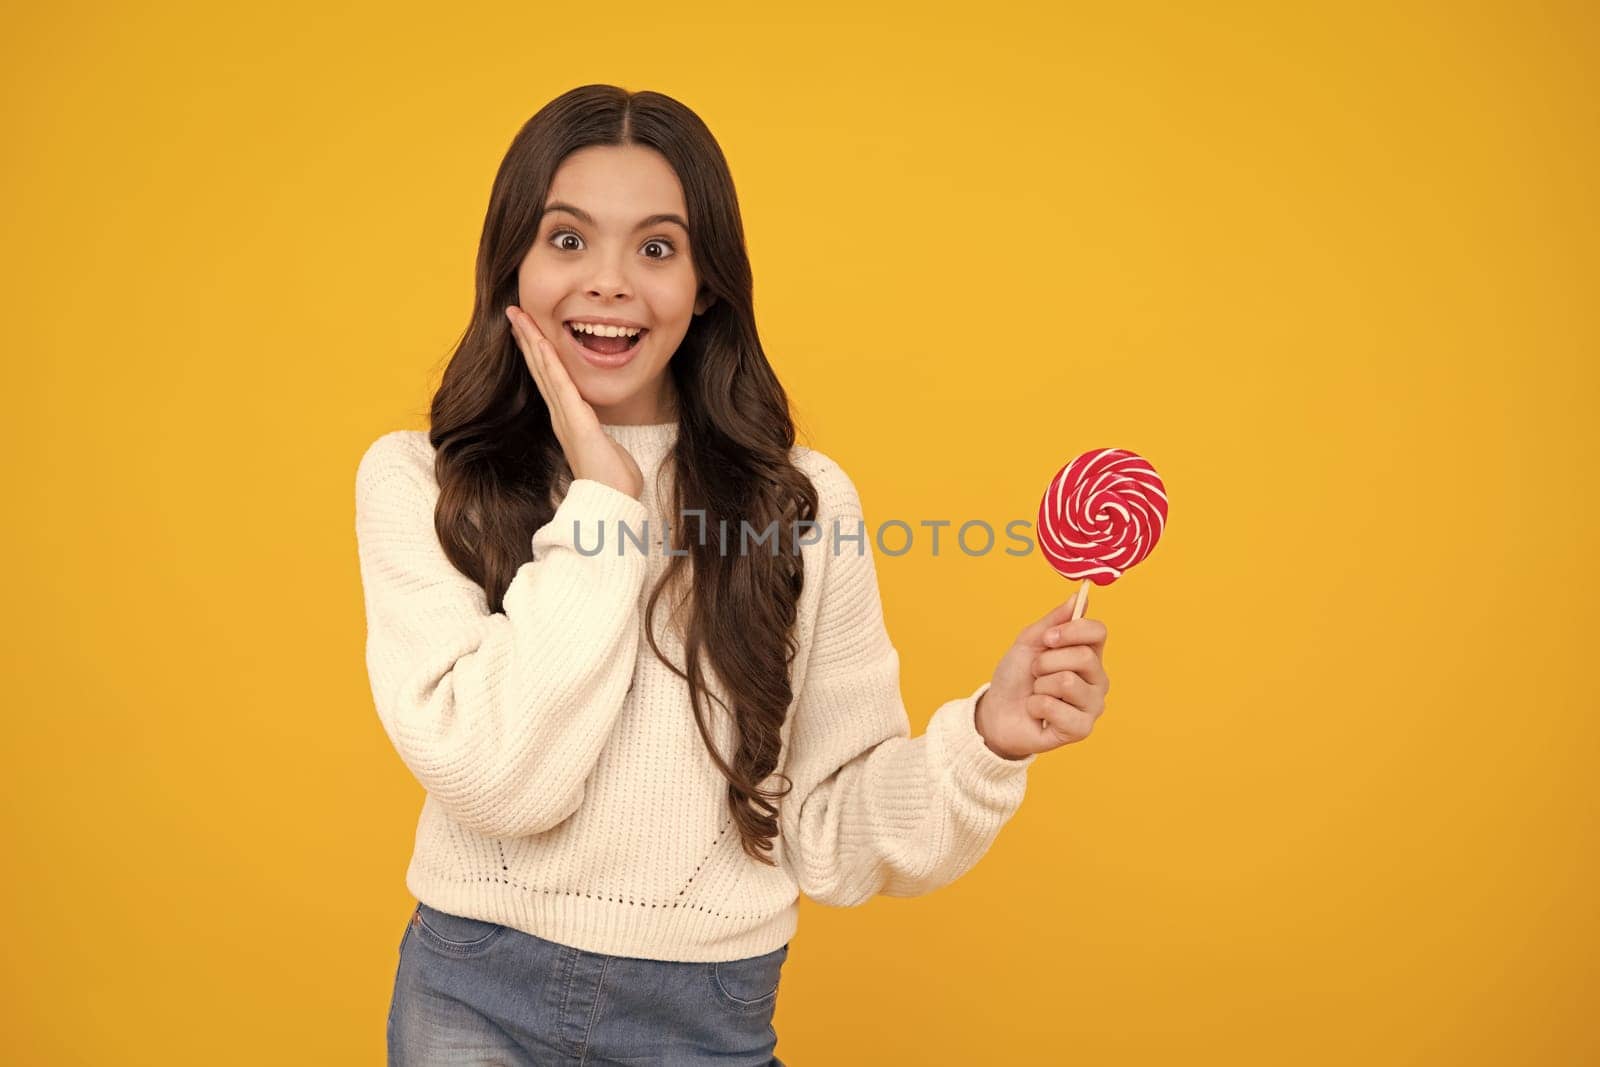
500	467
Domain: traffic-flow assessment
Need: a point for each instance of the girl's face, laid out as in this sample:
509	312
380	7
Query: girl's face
613	243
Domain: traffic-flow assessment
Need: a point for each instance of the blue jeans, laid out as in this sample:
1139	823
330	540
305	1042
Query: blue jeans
475	992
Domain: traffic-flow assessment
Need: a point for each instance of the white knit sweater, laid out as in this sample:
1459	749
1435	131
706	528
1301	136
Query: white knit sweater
568	793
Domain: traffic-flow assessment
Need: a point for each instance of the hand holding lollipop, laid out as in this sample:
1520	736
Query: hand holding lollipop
1101	514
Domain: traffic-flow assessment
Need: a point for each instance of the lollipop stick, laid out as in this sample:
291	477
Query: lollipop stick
1083	600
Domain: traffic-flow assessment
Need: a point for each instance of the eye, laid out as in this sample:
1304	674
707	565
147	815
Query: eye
558	236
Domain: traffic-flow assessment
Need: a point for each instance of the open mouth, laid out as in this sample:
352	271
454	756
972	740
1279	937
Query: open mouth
606	346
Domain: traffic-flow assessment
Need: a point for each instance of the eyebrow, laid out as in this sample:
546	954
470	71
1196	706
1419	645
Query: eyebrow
588	219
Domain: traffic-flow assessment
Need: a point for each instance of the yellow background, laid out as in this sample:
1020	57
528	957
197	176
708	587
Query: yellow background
1331	270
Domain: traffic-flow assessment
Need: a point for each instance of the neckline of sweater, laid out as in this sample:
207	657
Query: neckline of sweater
646	442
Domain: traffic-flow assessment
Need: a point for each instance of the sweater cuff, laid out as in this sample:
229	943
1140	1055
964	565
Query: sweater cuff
969	758
594	506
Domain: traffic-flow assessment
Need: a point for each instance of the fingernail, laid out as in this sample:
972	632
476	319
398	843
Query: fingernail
511	315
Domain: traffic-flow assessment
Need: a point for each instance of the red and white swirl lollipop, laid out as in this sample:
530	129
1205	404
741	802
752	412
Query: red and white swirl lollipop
1101	514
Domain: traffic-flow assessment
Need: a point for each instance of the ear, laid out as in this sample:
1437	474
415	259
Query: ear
703	302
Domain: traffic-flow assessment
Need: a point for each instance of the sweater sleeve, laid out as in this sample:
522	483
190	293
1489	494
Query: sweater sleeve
873	809
501	716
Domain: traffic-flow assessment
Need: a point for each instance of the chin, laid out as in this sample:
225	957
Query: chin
602	396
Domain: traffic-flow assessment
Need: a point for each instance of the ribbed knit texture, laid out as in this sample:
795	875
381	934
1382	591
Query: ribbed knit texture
568	793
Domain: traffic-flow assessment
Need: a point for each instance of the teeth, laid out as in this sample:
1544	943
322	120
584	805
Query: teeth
605	331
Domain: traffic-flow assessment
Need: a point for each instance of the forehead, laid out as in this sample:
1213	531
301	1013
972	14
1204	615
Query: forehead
618	184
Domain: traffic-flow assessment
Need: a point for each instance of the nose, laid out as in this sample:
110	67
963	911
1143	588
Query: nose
608	281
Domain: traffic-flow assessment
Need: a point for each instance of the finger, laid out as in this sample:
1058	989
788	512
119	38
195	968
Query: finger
1090	632
1068	723
1080	659
532	355
568	401
1072	690
574	409
1034	633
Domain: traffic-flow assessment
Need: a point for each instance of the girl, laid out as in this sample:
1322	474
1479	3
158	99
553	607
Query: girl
621	808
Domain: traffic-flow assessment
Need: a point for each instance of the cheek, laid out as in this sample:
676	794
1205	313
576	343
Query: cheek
544	269
671	300
536	286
